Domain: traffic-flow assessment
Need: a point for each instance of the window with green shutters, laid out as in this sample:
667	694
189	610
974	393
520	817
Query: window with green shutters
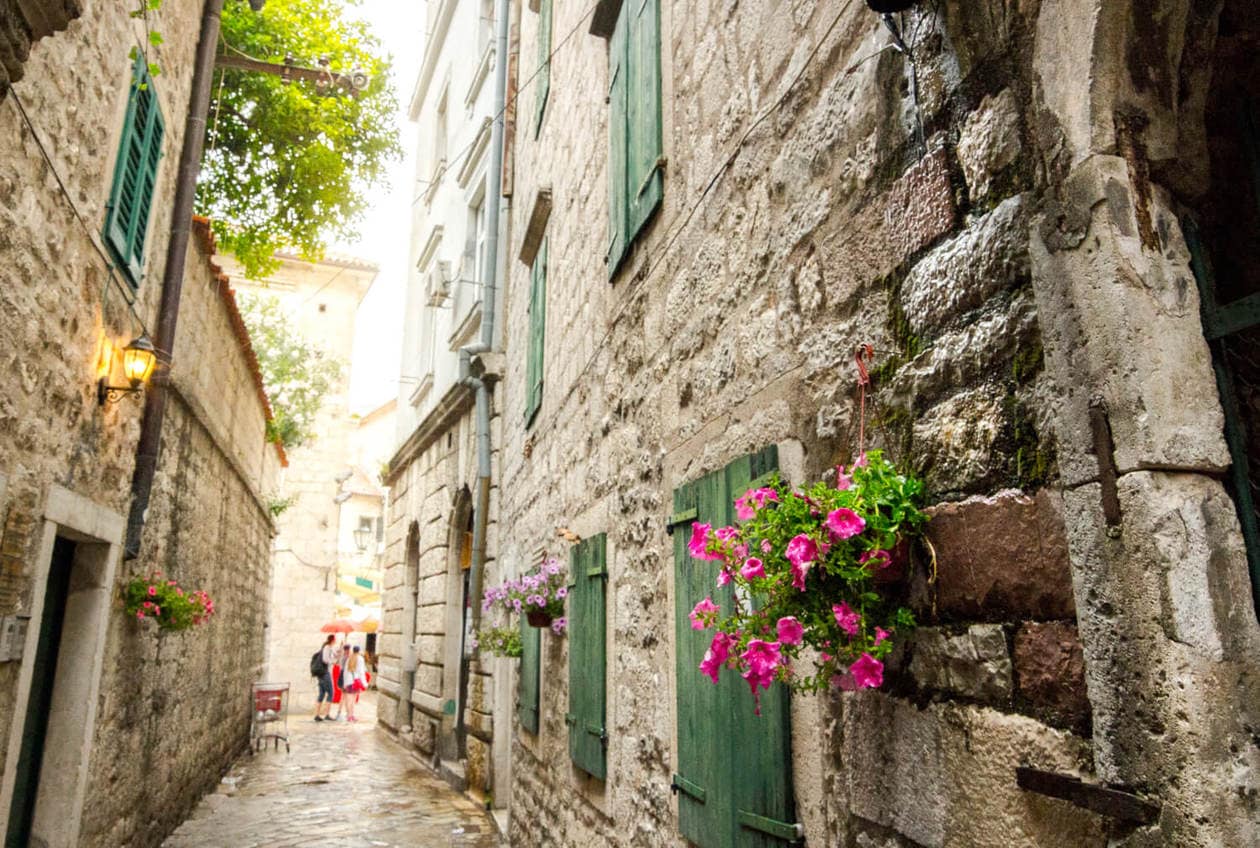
588	739
527	700
734	778
635	160
537	328
135	176
543	80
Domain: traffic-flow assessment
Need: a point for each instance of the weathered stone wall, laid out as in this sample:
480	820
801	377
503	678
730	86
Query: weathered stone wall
172	710
1000	272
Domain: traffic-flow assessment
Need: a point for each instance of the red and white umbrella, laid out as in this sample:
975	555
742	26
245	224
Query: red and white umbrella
339	625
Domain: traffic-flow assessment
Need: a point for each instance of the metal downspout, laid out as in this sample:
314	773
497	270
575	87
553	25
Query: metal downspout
149	444
489	311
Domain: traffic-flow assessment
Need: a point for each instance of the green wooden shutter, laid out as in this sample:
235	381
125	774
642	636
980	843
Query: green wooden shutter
761	763
588	738
135	176
643	161
537	332
527	704
617	139
734	768
704	813
543	81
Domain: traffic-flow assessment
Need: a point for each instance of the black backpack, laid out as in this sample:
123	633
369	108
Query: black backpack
318	667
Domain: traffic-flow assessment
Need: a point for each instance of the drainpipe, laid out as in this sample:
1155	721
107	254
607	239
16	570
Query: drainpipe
173	276
489	310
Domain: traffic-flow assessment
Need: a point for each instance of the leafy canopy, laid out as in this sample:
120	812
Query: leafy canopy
286	166
297	373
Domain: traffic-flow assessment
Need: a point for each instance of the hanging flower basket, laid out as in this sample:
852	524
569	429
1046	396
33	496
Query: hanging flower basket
499	641
813	561
539	596
164	603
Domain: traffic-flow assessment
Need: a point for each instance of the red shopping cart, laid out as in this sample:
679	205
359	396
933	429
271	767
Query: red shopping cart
269	716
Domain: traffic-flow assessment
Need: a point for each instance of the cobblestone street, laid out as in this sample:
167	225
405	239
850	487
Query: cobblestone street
342	786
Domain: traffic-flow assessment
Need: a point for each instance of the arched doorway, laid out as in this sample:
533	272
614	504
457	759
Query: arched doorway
411	606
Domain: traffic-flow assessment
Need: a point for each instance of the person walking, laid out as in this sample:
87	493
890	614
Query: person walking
321	669
353	681
339	667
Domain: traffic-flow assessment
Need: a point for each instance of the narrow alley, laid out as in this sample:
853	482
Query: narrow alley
342	786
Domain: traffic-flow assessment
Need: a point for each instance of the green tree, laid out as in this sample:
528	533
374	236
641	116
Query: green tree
286	165
297	373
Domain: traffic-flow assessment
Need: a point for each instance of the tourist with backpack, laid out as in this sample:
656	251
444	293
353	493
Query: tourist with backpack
321	670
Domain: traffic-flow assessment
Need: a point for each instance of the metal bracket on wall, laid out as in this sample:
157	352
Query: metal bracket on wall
1113	803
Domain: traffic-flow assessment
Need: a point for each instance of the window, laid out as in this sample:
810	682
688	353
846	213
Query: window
527	697
734	778
635	160
439	136
537	326
135	176
588	737
543	82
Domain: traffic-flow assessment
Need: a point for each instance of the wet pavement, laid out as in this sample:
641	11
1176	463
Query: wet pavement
341	785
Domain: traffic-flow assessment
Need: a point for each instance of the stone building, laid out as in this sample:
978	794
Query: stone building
434	692
113	731
321	299
715	205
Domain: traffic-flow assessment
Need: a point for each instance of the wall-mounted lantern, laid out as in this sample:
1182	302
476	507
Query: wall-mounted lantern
139	358
362	535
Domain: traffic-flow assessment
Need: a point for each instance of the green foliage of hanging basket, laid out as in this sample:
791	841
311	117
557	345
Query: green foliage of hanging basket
165	603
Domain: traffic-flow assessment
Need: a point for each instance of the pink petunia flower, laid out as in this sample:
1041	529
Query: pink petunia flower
753	569
743	508
740	551
845	523
868	672
726	534
698	546
843	481
762	659
801	552
849	619
702	614
766	546
790	630
881	634
152	591
716	656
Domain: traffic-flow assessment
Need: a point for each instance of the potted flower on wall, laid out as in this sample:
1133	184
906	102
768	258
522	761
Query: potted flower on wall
806	566
539	596
164	602
499	641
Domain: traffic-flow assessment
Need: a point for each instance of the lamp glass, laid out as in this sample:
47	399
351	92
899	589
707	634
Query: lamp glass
138	360
361	538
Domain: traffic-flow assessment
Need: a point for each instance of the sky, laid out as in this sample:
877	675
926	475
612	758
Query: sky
386	231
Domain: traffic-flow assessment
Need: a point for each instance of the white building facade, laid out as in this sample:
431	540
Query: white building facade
435	693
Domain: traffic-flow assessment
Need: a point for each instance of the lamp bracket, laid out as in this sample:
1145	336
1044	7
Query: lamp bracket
105	393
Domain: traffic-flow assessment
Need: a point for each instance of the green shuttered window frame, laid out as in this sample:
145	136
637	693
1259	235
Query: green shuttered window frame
543	81
588	694
635	154
530	668
135	176
734	773
537	334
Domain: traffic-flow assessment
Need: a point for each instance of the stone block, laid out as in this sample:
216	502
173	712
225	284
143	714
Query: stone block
943	776
919	207
989	142
955	440
964	272
1050	674
974	663
1002	556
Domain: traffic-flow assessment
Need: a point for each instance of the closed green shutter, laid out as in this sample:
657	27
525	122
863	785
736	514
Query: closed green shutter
537	332
635	179
527	703
643	161
588	738
135	176
544	63
617	121
734	768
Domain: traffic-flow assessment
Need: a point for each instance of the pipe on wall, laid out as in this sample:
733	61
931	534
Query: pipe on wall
150	442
